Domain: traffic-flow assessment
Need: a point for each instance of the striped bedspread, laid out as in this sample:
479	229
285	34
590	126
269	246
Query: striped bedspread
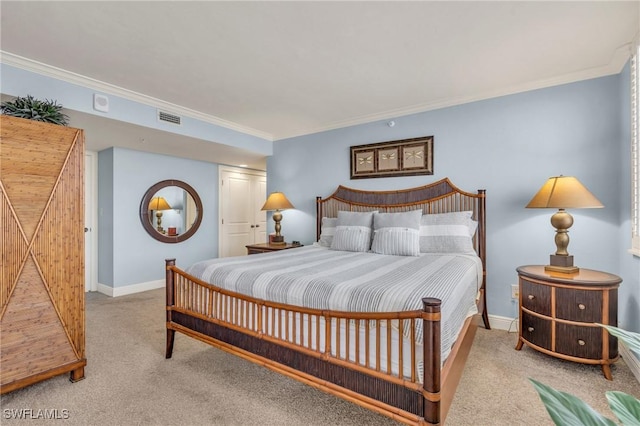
316	277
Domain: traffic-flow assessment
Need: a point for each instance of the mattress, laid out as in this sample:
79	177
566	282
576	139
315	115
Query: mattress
319	278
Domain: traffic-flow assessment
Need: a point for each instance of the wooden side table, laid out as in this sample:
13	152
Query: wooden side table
557	314
268	247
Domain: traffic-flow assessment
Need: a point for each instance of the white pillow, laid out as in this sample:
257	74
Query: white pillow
327	231
397	233
353	231
447	232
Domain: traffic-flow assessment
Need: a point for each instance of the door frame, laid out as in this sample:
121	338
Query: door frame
91	210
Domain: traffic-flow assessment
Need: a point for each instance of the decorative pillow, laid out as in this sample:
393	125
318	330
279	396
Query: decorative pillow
397	233
327	231
353	231
473	226
447	232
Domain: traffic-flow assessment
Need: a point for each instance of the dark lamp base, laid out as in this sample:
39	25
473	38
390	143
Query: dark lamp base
277	239
562	264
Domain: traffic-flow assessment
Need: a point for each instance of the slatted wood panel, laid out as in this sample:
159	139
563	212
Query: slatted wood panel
42	252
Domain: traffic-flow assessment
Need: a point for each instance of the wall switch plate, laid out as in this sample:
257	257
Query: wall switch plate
515	291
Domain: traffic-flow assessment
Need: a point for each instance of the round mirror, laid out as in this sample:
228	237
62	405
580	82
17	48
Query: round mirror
171	211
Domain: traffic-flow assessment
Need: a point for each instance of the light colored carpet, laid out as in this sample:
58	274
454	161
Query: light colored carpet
128	381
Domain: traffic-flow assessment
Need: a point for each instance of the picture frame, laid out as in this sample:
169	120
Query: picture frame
406	157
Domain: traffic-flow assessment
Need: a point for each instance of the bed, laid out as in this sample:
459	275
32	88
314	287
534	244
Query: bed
383	327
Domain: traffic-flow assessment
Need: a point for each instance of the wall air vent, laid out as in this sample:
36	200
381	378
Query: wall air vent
169	118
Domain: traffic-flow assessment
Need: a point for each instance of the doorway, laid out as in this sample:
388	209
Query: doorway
242	195
90	221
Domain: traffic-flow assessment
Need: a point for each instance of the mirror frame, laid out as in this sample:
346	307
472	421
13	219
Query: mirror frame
144	211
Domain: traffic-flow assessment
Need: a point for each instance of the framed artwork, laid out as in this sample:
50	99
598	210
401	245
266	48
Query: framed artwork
406	157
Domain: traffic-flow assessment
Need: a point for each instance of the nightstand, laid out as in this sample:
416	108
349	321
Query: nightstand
267	247
557	314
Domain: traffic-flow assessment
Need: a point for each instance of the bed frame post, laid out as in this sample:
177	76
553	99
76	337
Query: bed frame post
318	217
170	294
432	360
482	249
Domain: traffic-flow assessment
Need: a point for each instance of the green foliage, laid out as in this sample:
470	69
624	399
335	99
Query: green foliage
630	338
34	109
568	410
625	407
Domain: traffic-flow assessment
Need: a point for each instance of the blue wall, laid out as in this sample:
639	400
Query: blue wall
105	217
508	146
126	254
629	293
134	257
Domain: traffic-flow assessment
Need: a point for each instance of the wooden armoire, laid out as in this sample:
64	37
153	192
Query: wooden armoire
42	313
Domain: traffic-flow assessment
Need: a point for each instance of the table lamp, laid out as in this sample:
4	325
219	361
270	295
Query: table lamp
277	201
563	192
158	204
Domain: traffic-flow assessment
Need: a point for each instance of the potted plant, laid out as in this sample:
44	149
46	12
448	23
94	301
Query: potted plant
566	409
34	109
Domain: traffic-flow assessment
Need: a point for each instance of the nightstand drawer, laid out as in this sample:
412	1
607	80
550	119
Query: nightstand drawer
579	305
579	341
535	297
536	330
269	247
251	250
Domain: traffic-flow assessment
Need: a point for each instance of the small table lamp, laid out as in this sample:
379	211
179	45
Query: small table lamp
277	201
158	204
563	192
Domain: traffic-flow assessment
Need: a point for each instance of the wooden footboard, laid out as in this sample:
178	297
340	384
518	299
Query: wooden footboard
343	353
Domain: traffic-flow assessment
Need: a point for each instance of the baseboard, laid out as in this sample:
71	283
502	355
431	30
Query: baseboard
630	359
503	323
130	289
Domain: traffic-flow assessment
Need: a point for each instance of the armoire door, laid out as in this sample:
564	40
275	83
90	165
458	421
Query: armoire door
42	250
242	195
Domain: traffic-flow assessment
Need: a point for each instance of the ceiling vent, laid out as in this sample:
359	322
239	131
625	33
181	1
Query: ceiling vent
169	118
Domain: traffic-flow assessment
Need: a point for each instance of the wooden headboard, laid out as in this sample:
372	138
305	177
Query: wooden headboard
437	197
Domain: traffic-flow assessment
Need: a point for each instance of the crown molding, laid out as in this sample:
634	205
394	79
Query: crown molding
100	86
615	65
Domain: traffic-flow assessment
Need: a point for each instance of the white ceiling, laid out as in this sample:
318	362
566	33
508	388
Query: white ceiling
282	69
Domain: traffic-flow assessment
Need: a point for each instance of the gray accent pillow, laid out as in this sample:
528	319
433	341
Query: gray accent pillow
447	232
397	234
353	231
327	231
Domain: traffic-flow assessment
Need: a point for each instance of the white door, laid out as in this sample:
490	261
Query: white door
242	194
260	217
90	221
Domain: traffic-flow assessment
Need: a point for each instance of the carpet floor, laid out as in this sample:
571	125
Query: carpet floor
129	382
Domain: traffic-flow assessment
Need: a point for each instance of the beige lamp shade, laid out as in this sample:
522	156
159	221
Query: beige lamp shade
564	192
159	203
277	201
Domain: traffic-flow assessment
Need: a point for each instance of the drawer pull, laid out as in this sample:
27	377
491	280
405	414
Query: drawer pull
530	329
581	342
531	297
581	306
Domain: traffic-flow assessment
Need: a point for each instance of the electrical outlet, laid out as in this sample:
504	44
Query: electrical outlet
515	291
